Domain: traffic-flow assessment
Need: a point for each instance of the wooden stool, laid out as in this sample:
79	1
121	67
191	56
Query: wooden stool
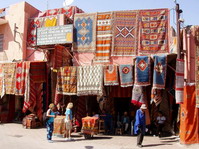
101	126
118	131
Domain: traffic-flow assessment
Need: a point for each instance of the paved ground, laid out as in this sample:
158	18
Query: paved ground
13	136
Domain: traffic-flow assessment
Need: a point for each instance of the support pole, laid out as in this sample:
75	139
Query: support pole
178	11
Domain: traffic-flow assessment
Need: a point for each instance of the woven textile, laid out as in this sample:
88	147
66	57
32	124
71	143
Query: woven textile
90	80
189	117
90	125
126	75
59	126
50	21
143	71
154	29
197	65
9	77
125	27
2	84
85	32
156	96
138	95
61	57
67	81
159	72
111	75
179	81
22	69
38	71
104	37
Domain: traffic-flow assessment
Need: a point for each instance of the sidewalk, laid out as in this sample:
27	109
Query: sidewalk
14	136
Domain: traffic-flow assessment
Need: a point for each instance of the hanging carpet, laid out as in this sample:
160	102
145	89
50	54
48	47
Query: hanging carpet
126	75
110	75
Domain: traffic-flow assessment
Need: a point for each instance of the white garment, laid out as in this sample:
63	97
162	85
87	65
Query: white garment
161	119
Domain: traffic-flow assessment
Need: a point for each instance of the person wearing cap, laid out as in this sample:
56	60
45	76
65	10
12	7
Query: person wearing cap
140	124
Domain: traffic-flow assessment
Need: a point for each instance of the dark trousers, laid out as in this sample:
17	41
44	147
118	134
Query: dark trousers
140	137
49	126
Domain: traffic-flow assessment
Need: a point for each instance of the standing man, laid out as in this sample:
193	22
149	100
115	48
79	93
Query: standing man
140	124
160	122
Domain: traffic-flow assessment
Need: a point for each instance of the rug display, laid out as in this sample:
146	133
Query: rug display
126	75
59	126
111	75
90	80
138	95
2	84
9	70
67	80
38	71
159	72
61	57
142	71
125	33
90	125
154	31
156	96
189	117
104	37
179	81
22	69
85	32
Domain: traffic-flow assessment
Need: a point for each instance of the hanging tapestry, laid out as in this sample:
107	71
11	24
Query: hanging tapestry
2	84
138	95
159	72
38	71
189	117
143	71
154	31
22	69
197	65
50	21
90	80
179	81
34	24
85	32
61	57
126	75
156	96
9	77
111	75
125	32
104	37
67	80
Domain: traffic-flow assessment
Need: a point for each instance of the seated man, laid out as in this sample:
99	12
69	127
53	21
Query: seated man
160	122
125	122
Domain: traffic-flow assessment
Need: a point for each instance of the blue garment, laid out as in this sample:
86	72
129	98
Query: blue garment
140	124
51	119
49	126
69	112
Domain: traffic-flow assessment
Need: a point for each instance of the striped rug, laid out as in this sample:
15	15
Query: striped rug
104	37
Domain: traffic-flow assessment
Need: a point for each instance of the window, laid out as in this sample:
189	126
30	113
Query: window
1	42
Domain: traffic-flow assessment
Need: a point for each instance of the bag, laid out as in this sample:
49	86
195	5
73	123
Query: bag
45	117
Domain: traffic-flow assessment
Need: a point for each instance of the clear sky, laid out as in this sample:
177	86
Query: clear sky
190	7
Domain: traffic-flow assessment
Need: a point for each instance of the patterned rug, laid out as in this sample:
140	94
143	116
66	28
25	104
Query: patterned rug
125	32
67	80
22	69
179	81
159	72
90	80
111	75
61	57
154	29
156	96
143	71
85	32
138	95
126	75
104	37
9	77
2	84
38	72
90	125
